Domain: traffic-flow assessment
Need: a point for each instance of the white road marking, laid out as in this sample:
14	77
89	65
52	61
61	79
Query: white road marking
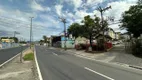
55	54
12	58
98	73
37	65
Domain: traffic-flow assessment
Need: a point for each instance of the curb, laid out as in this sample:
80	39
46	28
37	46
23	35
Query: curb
37	65
110	48
136	67
12	58
121	64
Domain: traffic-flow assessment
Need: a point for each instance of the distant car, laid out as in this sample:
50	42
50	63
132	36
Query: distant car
115	42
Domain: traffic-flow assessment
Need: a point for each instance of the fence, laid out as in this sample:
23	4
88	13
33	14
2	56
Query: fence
130	44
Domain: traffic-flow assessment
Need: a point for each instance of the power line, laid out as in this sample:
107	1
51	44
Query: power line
15	21
23	25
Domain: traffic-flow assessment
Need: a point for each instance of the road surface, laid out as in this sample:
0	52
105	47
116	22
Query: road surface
6	54
56	65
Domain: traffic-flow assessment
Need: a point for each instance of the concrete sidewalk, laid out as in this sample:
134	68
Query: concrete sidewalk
15	70
116	55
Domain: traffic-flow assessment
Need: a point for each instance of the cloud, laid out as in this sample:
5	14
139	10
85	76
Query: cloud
58	9
92	4
2	11
40	0
117	11
11	0
37	7
131	1
6	33
45	20
47	9
77	3
50	21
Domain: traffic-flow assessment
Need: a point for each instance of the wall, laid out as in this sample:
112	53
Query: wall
8	45
80	40
69	42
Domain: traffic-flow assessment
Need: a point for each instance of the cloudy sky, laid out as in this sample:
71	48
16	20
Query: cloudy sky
15	15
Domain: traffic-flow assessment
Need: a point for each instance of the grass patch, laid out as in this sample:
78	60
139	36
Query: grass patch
29	56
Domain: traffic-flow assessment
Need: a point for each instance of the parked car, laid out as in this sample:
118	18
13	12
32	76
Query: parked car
116	42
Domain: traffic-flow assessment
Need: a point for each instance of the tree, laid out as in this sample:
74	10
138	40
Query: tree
139	2
45	39
89	26
132	19
14	38
75	29
92	27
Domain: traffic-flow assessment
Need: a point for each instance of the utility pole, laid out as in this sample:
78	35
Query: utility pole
21	54
31	32
64	22
102	19
14	33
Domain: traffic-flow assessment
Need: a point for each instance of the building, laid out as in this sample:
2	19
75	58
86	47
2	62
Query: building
112	34
125	36
56	41
59	41
117	35
7	40
80	40
109	33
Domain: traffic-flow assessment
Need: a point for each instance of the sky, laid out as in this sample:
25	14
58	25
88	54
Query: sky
15	15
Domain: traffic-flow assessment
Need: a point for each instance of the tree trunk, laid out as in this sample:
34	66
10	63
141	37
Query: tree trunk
90	42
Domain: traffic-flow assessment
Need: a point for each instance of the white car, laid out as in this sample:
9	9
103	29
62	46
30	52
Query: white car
115	42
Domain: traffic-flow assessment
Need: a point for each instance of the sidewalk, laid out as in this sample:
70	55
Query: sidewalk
15	70
115	55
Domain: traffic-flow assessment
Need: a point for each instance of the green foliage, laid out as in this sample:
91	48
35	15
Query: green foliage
139	2
45	39
137	49
132	20
91	28
15	38
75	29
41	41
4	37
23	42
29	56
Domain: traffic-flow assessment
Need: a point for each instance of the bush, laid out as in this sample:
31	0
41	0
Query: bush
83	46
80	46
29	56
137	49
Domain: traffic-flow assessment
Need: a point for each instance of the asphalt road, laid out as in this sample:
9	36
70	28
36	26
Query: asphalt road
56	65
6	54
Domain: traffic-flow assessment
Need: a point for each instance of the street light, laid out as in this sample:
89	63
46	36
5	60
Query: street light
31	32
